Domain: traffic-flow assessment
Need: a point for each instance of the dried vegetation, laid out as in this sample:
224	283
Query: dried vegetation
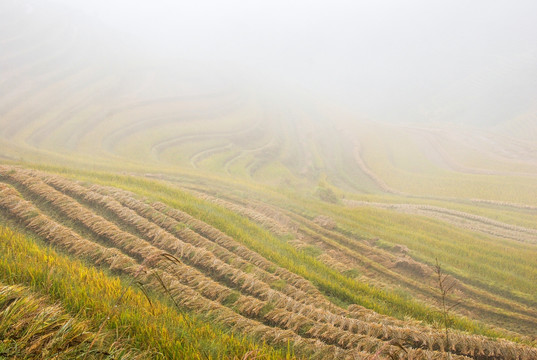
202	269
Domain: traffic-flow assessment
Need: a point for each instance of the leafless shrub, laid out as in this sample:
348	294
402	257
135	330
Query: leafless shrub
445	286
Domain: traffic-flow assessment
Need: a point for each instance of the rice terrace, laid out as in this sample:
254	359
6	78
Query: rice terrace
184	181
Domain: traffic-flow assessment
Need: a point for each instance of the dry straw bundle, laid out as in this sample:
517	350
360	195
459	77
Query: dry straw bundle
130	244
229	243
197	268
371	330
183	295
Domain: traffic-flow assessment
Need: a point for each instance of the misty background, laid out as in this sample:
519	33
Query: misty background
456	61
365	96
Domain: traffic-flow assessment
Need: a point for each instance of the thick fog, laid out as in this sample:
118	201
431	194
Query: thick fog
457	61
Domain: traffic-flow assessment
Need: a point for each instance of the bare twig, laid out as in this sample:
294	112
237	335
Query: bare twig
445	285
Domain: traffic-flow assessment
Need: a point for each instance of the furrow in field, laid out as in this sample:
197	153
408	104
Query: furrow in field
205	153
150	255
355	253
200	113
181	231
246	152
325	332
267	222
492	154
504	203
460	219
162	145
368	172
339	320
244	304
232	245
375	262
329	334
307	231
385	265
280	315
345	323
329	257
70	241
288	313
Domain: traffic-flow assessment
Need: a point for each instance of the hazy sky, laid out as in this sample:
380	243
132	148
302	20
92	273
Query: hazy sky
413	60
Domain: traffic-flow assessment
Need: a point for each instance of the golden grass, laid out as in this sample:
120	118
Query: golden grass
184	295
32	328
338	328
181	231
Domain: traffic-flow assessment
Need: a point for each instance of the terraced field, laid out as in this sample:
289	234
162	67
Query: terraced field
159	209
76	100
114	319
384	248
200	267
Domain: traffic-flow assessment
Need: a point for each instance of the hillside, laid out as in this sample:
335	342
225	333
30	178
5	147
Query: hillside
158	209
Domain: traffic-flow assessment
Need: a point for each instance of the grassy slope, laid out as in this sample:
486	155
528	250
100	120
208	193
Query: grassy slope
397	156
105	301
457	248
285	176
340	288
391	227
